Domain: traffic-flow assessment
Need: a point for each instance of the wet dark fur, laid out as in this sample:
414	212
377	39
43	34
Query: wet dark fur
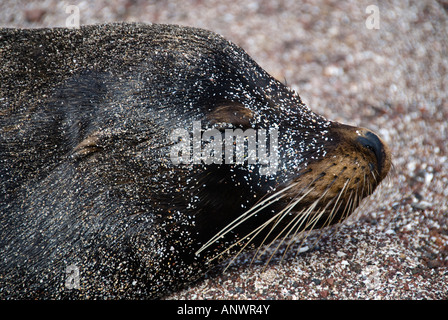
86	177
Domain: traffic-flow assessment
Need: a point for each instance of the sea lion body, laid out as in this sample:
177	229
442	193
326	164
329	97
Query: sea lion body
87	181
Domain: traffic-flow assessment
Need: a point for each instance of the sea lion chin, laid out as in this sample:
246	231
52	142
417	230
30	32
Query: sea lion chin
88	178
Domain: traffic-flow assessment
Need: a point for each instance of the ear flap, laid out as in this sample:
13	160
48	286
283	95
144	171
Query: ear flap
88	146
231	112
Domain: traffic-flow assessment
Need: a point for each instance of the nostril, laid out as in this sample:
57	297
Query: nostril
371	142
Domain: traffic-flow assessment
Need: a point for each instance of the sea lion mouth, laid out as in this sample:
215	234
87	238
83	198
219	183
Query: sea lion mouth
330	189
324	193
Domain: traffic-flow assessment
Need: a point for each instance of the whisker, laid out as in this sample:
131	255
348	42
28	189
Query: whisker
297	228
286	211
353	200
337	204
307	234
256	231
335	209
364	182
330	216
300	217
307	214
259	229
246	215
345	211
282	213
303	222
374	177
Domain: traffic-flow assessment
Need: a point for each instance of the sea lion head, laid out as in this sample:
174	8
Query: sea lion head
318	171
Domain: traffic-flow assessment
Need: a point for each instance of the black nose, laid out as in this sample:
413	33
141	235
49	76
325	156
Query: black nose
371	141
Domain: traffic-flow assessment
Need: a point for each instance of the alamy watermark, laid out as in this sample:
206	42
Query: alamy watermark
72	279
237	147
72	20
373	20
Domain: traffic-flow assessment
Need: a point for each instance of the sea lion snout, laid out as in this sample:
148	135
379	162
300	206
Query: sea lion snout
372	142
369	145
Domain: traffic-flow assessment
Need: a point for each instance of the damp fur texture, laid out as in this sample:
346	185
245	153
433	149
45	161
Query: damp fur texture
86	177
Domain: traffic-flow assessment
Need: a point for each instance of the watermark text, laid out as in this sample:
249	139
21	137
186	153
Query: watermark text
234	146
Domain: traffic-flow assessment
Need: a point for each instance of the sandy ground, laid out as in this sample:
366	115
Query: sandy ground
393	80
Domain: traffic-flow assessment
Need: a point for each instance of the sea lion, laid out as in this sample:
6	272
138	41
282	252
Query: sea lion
93	202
